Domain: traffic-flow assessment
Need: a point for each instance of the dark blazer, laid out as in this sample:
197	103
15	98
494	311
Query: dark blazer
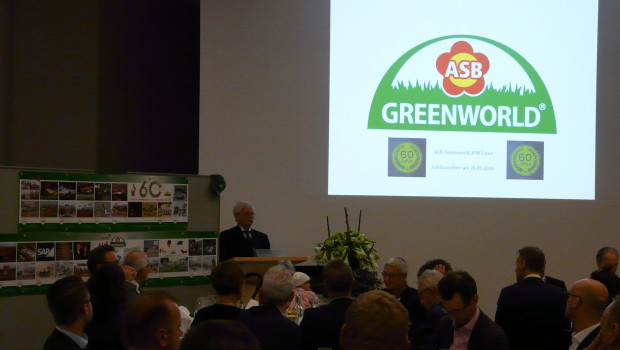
233	243
531	312
273	331
216	312
424	329
321	326
59	341
486	335
411	301
589	338
556	282
130	288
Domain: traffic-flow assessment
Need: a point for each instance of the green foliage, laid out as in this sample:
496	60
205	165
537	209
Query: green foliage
351	246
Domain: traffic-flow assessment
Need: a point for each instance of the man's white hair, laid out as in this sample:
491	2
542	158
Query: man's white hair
429	279
277	285
242	204
398	263
137	259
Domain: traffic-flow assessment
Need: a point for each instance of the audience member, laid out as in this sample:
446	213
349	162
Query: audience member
376	320
395	280
609	279
69	302
586	303
435	264
607	256
271	328
609	336
532	312
302	288
424	329
227	279
105	255
220	335
321	326
152	321
139	262
467	327
108	298
242	240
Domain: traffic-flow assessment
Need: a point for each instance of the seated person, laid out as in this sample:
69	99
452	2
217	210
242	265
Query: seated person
269	326
321	326
302	288
375	321
69	302
227	279
220	335
423	332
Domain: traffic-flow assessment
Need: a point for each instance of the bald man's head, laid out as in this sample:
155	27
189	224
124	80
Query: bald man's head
587	299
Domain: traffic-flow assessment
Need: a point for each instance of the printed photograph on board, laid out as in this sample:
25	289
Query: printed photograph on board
85	191
29	209
26	251
7	271
30	189
64	251
26	271
45	269
49	190
66	191
49	209
103	191
8	252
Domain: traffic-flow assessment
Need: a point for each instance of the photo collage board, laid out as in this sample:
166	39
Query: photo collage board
63	198
170	254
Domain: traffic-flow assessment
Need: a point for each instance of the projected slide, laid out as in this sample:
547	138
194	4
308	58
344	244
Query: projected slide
463	99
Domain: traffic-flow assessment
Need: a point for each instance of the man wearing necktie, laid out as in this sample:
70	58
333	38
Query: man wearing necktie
242	240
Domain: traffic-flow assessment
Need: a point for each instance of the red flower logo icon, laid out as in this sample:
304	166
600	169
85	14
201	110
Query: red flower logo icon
462	70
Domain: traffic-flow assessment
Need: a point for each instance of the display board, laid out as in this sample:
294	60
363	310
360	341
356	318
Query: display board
52	200
61	216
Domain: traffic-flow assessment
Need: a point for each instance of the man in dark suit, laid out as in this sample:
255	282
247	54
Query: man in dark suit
69	302
138	261
466	326
395	280
531	312
586	303
321	326
242	240
423	331
375	320
555	282
269	326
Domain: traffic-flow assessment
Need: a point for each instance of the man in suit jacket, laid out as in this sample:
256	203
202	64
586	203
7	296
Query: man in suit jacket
69	302
375	320
321	326
242	240
138	261
555	282
531	312
586	303
424	329
466	326
269	326
395	280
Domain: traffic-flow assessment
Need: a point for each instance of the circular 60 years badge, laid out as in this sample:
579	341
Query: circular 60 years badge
407	157
525	160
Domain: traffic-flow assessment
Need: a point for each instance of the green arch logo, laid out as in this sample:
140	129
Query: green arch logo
462	83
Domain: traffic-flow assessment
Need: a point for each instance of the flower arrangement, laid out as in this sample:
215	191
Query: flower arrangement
353	247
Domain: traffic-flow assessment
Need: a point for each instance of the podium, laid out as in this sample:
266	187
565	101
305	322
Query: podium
260	265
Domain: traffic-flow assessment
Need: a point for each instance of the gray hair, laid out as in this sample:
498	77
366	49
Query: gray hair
277	285
242	204
136	259
398	263
429	279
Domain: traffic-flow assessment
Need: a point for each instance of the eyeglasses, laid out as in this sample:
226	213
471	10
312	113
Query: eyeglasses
450	312
575	296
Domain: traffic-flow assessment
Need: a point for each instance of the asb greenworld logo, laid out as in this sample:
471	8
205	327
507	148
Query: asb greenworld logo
462	83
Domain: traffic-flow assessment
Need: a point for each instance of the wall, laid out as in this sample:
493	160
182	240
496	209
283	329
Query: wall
264	127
